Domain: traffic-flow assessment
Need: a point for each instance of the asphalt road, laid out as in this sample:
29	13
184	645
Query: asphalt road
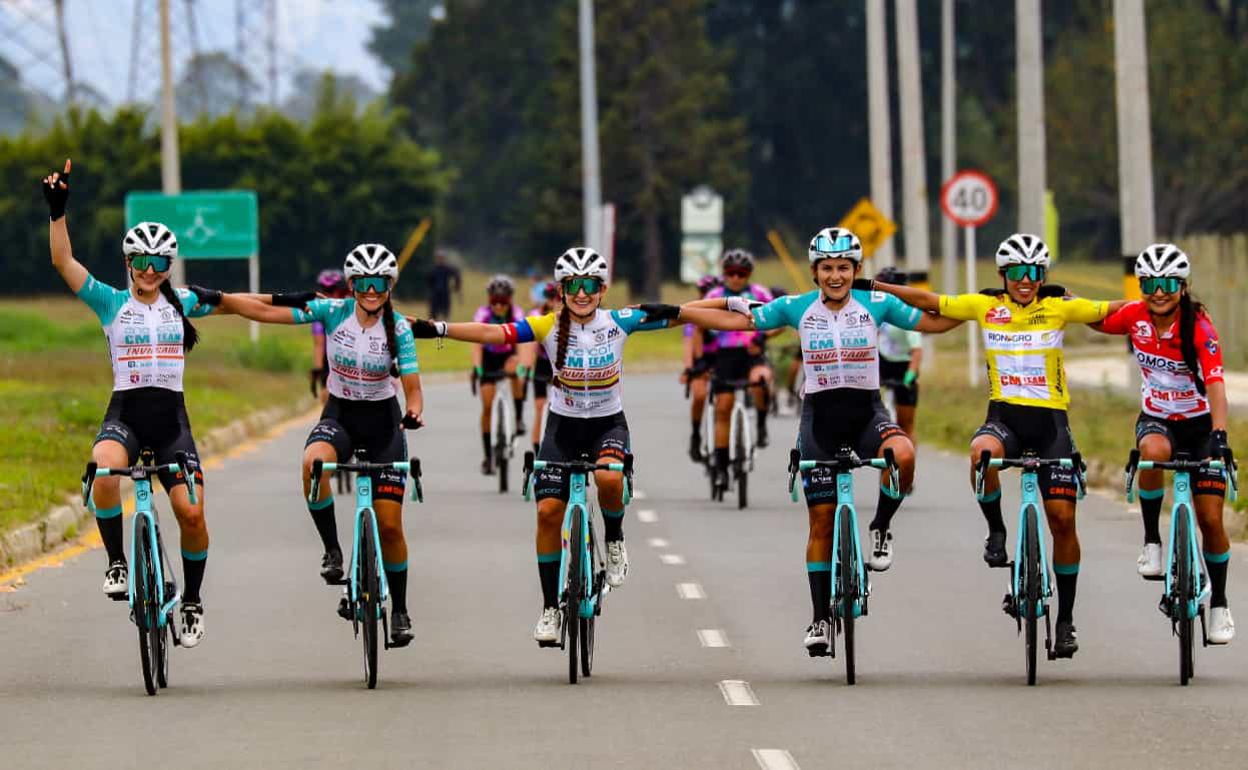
715	595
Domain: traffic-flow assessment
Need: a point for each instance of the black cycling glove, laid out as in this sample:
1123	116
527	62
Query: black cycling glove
1219	447
428	330
298	299
57	196
864	284
210	297
656	311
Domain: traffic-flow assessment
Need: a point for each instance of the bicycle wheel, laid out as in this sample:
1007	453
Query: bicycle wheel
1184	592
501	446
367	583
1029	592
742	462
575	590
847	587
162	670
145	609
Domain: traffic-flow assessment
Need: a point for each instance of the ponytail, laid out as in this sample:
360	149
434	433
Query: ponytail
387	322
190	335
1189	309
565	328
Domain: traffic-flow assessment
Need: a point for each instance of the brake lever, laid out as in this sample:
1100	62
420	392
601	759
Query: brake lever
526	486
795	458
894	473
188	477
1081	476
314	489
981	468
418	489
1133	462
88	481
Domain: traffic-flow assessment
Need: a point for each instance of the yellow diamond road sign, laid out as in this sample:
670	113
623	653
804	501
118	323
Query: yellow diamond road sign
870	225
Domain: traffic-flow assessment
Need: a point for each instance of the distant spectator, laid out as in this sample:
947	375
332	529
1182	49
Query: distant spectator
442	278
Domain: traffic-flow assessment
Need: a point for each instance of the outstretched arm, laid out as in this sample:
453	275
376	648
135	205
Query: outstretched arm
721	320
244	305
911	295
56	192
935	324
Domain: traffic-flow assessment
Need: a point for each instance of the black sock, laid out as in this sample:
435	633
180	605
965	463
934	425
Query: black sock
721	457
820	578
697	428
885	509
1067	579
326	524
613	526
396	578
1150	512
1215	565
193	573
519	408
990	506
109	522
485	444
548	573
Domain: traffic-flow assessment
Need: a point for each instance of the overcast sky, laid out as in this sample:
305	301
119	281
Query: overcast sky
320	33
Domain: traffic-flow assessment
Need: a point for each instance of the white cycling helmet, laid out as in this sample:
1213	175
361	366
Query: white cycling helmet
151	238
835	243
371	259
1163	260
580	261
1022	249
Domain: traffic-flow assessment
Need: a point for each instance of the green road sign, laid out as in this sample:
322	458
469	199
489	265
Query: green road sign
216	224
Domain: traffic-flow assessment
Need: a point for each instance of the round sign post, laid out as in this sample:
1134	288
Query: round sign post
969	198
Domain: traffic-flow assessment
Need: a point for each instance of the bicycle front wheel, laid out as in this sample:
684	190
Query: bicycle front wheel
847	587
501	444
368	596
742	460
1184	593
145	610
1030	590
575	590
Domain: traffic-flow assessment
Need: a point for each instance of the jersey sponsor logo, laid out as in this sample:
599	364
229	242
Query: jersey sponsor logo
1159	363
1142	332
998	316
1215	372
1211	345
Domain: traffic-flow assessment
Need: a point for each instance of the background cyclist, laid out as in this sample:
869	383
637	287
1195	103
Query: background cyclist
494	362
901	353
1183	408
330	284
539	362
699	352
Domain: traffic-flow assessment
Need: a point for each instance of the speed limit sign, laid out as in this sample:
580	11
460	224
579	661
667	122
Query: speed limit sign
969	198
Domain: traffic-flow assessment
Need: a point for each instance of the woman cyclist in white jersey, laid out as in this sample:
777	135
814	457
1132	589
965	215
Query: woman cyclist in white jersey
585	343
368	343
839	329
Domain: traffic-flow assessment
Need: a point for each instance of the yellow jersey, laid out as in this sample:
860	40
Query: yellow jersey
1023	343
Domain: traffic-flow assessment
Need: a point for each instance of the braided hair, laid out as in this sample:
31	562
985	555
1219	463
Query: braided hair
387	322
1189	310
565	329
190	335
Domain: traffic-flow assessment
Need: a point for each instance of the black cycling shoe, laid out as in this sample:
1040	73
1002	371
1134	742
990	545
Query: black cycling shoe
400	629
344	608
695	448
994	550
520	427
1066	644
762	442
487	467
331	567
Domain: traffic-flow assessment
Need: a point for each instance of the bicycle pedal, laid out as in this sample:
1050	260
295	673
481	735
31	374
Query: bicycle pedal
548	644
1154	578
121	597
1008	606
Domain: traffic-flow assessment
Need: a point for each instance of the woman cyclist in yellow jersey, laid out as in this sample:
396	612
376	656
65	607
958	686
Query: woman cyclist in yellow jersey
1023	329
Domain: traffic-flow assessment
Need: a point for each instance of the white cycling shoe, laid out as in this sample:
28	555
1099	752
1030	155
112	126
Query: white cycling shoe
546	632
1149	562
192	624
881	556
617	563
115	586
818	638
1221	626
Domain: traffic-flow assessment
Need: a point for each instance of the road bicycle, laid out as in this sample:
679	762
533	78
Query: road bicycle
850	586
1030	586
1187	587
741	441
502	425
582	570
152	588
365	590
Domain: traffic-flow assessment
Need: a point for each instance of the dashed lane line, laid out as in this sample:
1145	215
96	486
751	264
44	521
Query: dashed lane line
737	692
657	542
672	559
647	516
712	637
774	759
690	591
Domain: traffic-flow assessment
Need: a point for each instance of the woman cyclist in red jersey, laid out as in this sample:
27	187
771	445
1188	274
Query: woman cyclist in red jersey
1183	409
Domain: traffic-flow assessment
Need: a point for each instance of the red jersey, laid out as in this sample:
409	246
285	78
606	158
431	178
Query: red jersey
1168	389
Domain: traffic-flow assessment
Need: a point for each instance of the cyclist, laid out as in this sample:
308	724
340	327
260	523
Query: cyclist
585	343
1023	328
739	356
901	351
149	332
699	362
368	343
333	285
491	363
839	331
1183	409
539	362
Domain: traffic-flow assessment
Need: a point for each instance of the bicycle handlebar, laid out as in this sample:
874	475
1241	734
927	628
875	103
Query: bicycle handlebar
1029	463
412	467
94	472
1134	464
846	461
532	464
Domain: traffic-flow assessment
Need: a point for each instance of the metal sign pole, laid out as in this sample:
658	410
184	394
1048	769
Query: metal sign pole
253	285
972	338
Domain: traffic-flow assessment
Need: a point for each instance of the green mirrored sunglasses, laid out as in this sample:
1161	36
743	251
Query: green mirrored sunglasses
377	283
1019	272
1167	285
574	286
159	263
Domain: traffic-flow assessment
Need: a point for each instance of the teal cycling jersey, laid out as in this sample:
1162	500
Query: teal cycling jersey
144	340
840	349
359	358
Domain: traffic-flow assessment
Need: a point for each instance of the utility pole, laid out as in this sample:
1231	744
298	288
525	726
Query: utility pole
170	166
591	176
879	121
948	143
913	155
71	91
1135	154
1031	151
271	44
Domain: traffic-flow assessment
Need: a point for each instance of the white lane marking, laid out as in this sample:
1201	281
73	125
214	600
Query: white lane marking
647	516
737	692
774	759
690	591
712	637
657	542
639	495
672	559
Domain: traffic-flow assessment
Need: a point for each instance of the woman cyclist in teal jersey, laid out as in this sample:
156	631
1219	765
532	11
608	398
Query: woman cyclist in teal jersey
585	343
368	343
839	329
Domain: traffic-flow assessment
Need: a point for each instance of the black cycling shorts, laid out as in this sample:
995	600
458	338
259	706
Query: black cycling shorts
494	365
543	373
1190	437
1046	432
891	375
370	427
155	419
733	365
577	438
832	419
